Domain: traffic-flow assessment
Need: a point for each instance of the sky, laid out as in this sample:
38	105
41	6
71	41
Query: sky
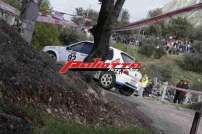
138	9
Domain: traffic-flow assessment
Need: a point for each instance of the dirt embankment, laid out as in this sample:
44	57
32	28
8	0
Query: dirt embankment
31	78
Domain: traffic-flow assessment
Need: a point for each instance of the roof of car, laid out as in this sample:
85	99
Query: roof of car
117	50
93	43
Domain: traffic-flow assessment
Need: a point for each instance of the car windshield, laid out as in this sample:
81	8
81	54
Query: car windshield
127	59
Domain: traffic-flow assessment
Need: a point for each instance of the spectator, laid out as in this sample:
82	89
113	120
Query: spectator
179	94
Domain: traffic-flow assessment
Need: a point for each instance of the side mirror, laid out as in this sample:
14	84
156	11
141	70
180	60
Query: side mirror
68	48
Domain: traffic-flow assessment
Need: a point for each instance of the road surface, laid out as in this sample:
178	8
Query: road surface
166	118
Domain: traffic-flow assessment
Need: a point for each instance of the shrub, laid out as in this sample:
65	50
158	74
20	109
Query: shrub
162	72
192	62
197	45
121	46
196	84
153	51
197	33
45	34
147	50
159	52
152	47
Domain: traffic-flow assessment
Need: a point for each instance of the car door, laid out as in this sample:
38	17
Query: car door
79	51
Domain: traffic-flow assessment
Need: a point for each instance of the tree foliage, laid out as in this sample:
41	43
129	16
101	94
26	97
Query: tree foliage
45	6
124	17
71	35
152	48
192	63
180	27
155	12
197	33
156	29
82	14
92	14
197	45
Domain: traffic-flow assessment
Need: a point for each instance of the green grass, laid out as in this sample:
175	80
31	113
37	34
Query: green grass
166	67
44	123
54	126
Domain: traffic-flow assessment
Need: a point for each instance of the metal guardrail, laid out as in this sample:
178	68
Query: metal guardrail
165	87
186	90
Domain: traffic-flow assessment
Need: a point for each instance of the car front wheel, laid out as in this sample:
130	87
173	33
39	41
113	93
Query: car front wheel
107	80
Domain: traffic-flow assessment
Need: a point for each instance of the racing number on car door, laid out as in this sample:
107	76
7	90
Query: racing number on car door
80	51
72	56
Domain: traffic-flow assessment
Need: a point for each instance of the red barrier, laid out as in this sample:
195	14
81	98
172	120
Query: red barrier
159	18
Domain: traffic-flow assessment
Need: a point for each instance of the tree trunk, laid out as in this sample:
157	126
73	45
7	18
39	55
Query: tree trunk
29	16
108	15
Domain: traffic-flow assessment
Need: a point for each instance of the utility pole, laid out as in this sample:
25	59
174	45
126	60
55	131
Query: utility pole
29	16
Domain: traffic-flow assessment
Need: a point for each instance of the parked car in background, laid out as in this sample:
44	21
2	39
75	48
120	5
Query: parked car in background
127	81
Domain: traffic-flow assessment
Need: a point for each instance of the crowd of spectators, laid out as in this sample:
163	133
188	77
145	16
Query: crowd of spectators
134	41
171	44
175	46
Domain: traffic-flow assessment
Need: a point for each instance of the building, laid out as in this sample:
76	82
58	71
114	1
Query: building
8	13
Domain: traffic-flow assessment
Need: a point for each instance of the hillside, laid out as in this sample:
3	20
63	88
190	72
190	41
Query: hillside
195	17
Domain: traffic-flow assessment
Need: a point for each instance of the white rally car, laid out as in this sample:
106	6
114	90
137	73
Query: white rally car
127	82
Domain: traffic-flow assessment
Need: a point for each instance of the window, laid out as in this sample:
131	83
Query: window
127	59
87	48
76	47
110	54
83	47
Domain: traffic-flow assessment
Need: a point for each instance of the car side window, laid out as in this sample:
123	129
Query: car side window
87	48
127	59
84	47
76	47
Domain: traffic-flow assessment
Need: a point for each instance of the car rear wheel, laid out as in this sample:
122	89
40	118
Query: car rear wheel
107	80
52	55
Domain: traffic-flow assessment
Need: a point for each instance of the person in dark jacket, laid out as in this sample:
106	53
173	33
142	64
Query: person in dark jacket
180	95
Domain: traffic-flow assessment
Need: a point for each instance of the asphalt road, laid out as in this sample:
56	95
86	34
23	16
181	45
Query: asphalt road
166	118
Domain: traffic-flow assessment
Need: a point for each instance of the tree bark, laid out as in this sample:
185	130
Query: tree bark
108	15
29	16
